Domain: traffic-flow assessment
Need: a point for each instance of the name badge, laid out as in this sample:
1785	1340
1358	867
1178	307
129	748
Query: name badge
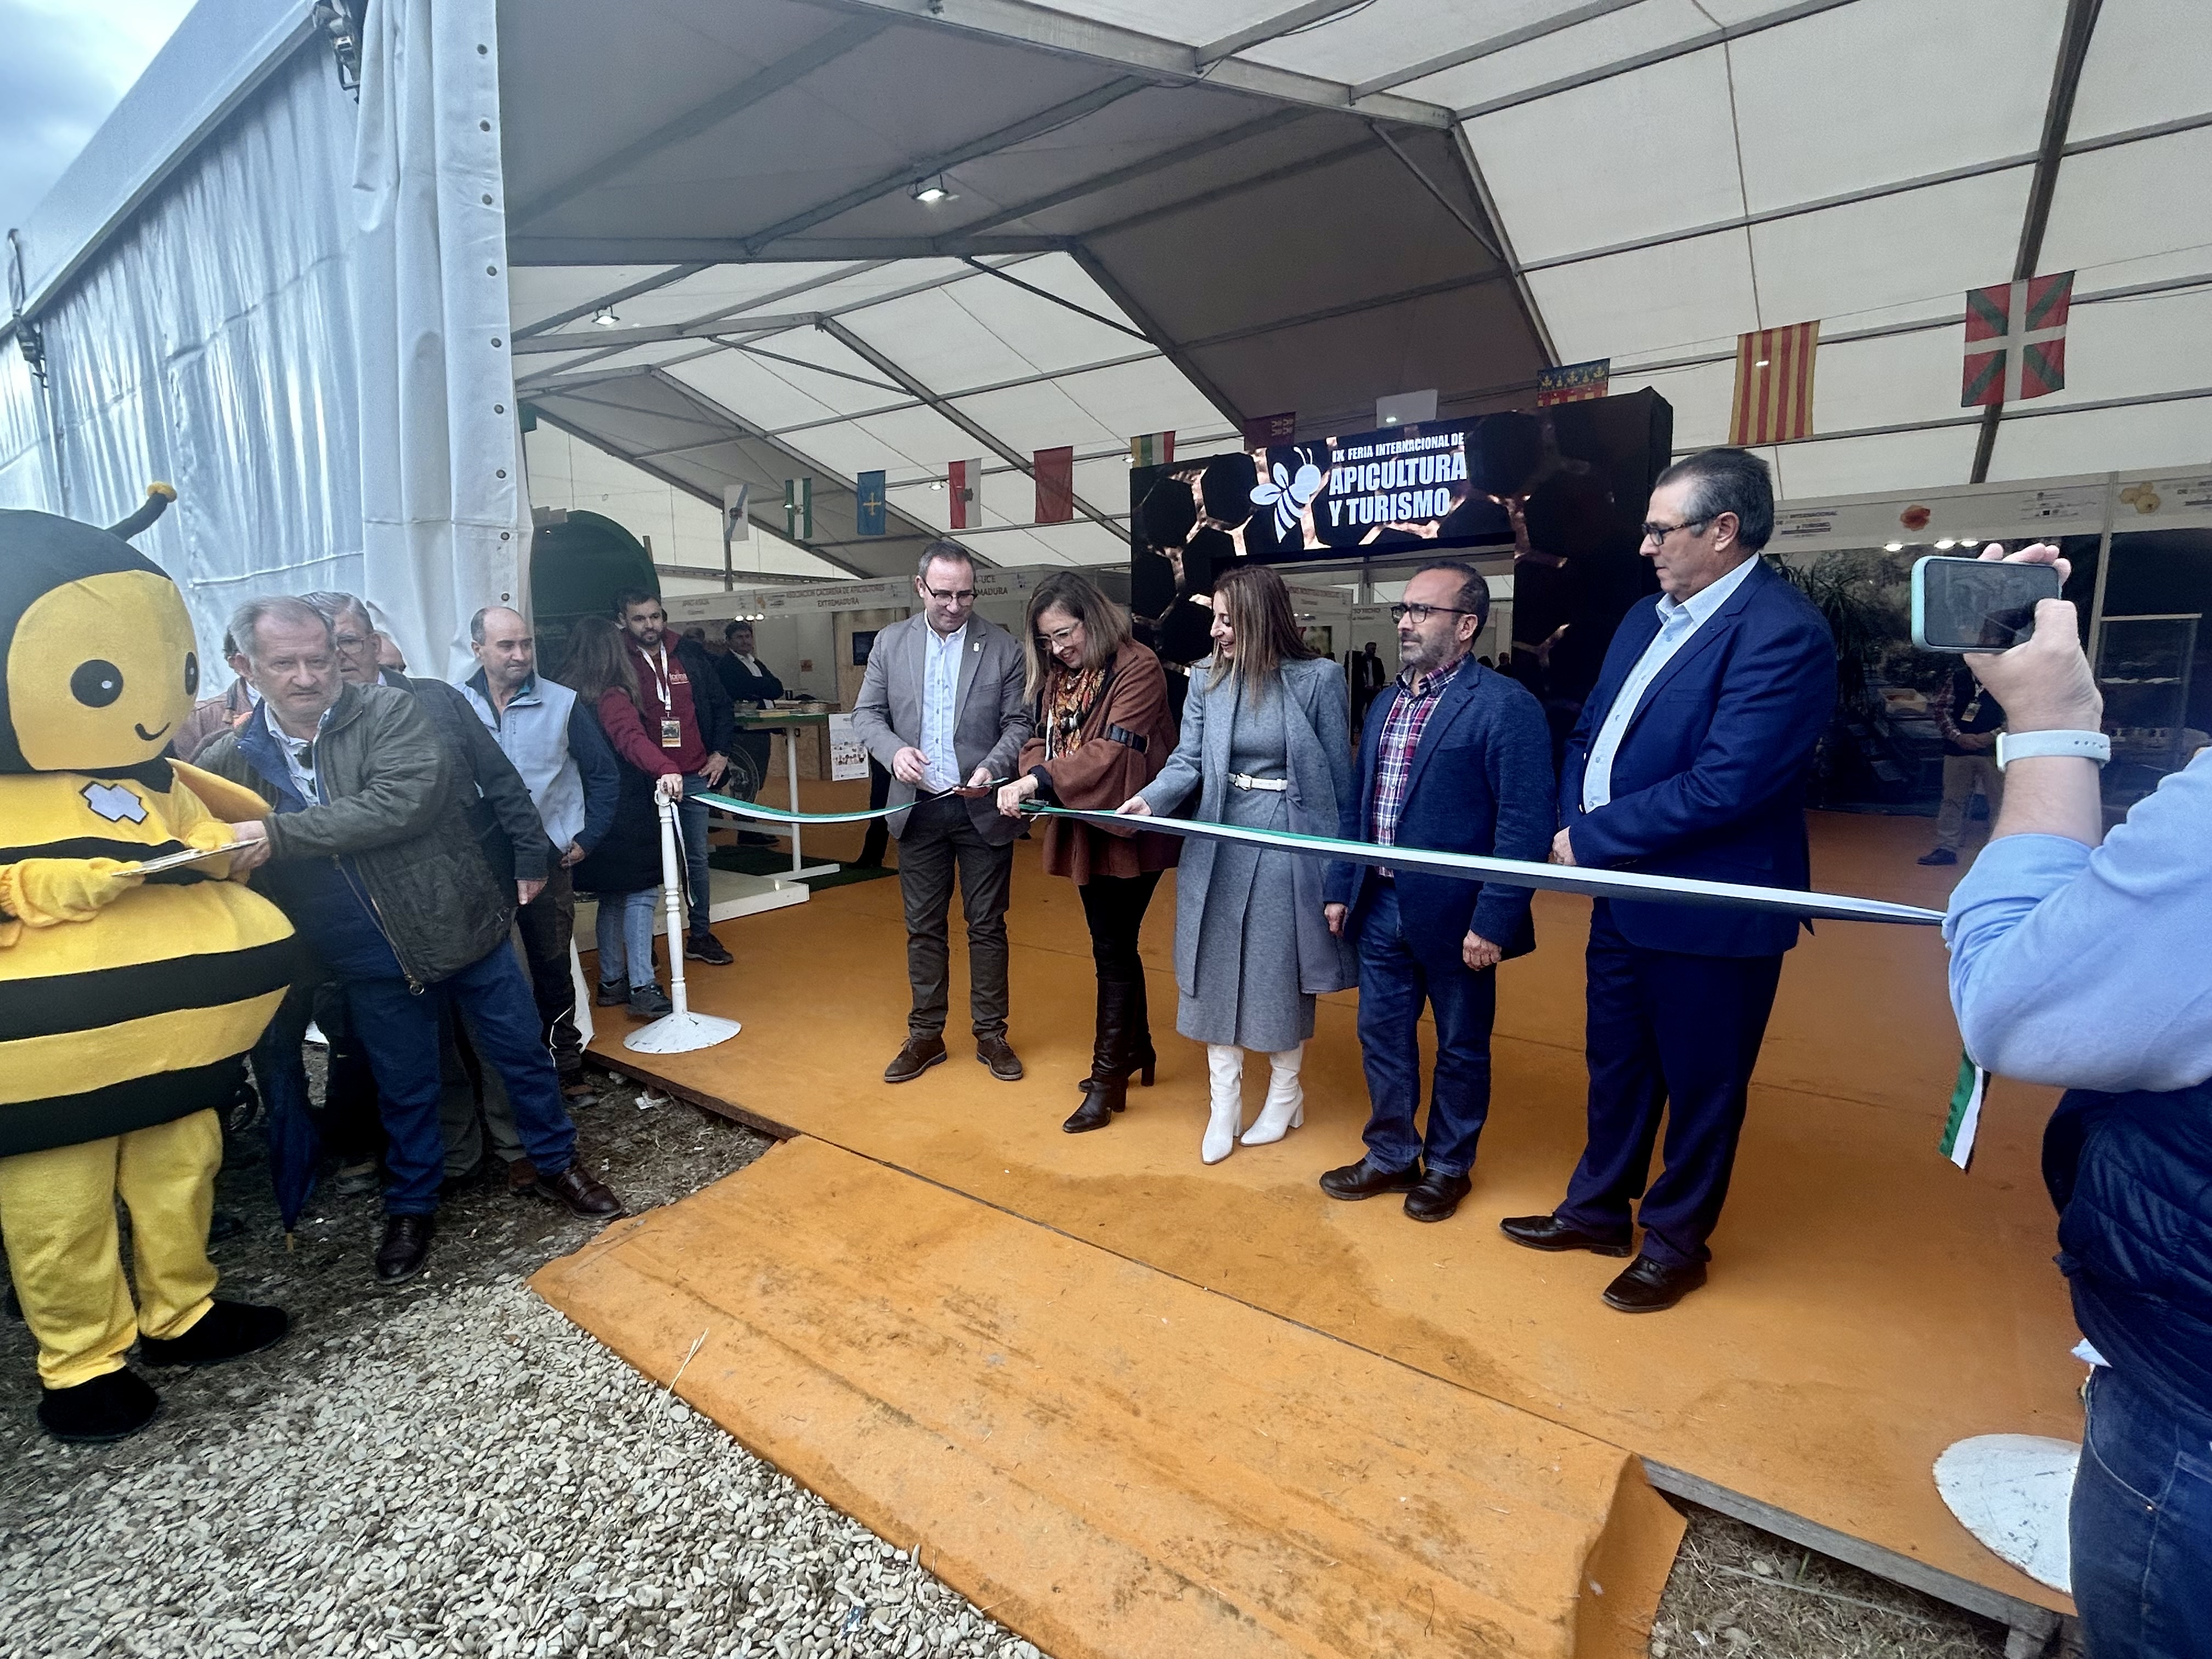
672	734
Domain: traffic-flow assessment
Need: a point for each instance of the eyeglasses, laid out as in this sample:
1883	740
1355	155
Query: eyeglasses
1655	532
350	643
1421	613
961	595
1060	636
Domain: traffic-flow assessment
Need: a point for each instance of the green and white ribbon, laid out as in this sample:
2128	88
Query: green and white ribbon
1517	873
1458	866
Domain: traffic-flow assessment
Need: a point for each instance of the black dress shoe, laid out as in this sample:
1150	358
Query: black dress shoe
1437	1196
228	1330
1548	1232
920	1054
1364	1180
110	1408
1005	1065
1940	855
405	1249
1649	1286
584	1195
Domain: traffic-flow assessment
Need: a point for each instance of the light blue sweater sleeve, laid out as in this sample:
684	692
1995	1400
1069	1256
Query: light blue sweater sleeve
2094	970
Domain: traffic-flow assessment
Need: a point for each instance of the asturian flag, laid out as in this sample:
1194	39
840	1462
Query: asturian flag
1151	449
799	509
1774	385
964	481
2016	340
874	506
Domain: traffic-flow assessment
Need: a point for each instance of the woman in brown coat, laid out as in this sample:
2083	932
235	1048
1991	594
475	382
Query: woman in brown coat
1099	704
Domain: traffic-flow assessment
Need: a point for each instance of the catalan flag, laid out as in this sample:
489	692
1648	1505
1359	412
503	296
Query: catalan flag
1151	449
1055	484
1774	385
2016	340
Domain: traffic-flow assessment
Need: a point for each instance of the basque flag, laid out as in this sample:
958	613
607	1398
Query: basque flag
2016	340
1055	484
964	481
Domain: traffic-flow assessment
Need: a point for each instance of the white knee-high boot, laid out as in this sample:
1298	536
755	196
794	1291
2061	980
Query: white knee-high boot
1225	1066
1286	1109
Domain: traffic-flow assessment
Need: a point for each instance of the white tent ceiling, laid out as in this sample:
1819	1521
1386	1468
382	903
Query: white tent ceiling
1198	211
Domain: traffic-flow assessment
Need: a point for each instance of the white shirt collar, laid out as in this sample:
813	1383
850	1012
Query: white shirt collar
1702	603
951	641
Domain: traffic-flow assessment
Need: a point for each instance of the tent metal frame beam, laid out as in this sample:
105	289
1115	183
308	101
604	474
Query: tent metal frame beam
1167	62
1067	303
907	403
613	297
737	250
606	447
1875	193
817	54
1349	309
1473	166
1176	352
808	466
959	418
1283	23
623	338
1064	113
1443	200
2058	115
1666	54
1304	165
2086	407
1496	43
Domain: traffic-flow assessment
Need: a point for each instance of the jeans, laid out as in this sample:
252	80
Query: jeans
1393	984
691	819
625	934
399	1028
547	925
940	838
2142	1529
1673	1033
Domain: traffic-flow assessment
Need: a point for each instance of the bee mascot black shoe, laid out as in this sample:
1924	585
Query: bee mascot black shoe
129	996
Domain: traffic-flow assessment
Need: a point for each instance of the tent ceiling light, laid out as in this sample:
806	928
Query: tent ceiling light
604	317
932	189
1893	547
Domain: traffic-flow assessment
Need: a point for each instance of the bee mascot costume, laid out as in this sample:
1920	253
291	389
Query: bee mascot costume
128	1002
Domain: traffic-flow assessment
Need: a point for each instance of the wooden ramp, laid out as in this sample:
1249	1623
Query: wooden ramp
1113	1460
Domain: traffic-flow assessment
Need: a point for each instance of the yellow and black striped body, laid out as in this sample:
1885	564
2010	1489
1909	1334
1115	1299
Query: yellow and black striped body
145	1012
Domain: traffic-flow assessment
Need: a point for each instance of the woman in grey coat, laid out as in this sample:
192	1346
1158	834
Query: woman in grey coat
1265	746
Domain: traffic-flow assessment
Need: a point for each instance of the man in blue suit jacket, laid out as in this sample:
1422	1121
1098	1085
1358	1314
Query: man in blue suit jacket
1455	758
1690	759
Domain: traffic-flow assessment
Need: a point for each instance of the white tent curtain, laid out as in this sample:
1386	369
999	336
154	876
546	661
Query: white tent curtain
445	515
211	346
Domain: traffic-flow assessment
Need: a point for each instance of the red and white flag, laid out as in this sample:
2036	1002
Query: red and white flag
1055	484
964	482
2016	340
1774	385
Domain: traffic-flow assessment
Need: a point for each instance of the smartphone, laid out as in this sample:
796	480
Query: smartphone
1976	605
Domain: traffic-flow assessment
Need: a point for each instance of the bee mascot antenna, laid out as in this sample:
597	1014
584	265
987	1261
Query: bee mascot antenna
134	977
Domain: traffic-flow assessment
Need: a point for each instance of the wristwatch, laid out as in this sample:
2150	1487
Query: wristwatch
2033	745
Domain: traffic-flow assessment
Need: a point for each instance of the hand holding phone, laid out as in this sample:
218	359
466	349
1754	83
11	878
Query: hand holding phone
1979	605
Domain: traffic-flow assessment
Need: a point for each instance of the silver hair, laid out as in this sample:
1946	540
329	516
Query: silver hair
333	604
943	547
246	621
476	622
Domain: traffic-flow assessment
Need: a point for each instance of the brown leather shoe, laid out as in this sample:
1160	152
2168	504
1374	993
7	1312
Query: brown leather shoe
920	1054
521	1176
592	1199
1005	1065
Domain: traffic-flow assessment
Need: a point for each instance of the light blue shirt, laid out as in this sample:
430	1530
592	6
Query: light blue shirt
1677	622
534	733
298	752
2092	970
940	704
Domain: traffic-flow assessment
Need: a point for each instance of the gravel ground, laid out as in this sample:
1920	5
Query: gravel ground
451	1468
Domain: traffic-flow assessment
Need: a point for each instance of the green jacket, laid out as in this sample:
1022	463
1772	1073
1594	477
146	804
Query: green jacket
394	807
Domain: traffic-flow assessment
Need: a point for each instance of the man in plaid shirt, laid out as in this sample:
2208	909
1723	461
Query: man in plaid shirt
1456	758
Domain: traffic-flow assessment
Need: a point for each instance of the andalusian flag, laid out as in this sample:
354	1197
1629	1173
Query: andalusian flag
2016	340
1774	385
799	509
1151	449
1965	1117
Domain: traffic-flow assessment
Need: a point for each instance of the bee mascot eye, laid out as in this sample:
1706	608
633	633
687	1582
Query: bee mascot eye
96	684
191	673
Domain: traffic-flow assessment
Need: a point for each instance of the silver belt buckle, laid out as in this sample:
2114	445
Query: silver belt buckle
1245	781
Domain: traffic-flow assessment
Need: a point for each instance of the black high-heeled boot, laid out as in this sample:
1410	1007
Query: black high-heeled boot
1141	1058
1105	1092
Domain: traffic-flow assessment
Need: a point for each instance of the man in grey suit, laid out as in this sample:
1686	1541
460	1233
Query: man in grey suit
941	706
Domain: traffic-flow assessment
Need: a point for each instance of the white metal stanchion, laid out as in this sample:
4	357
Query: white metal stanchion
681	1032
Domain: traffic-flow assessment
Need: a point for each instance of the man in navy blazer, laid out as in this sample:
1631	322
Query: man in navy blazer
1455	758
1690	759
